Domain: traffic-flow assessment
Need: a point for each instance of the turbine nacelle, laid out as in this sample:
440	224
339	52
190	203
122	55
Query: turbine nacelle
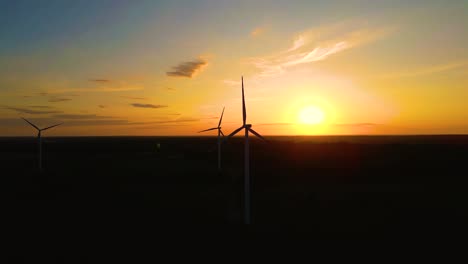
245	126
248	129
216	128
39	131
220	132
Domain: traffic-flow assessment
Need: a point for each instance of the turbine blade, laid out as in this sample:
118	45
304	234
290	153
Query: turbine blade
222	132
244	112
208	129
221	119
31	124
257	134
233	133
51	127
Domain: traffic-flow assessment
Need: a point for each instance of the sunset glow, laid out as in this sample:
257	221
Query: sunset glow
311	115
169	67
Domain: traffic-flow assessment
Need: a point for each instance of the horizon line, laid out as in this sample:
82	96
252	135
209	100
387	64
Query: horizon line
275	135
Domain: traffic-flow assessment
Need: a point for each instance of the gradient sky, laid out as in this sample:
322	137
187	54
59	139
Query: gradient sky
168	67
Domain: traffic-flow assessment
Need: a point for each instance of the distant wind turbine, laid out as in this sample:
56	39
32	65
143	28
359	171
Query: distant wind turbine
247	128
39	140
220	132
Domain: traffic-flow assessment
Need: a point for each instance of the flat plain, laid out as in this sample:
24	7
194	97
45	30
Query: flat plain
325	185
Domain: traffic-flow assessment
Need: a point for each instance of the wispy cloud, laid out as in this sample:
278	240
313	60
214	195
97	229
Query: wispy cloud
101	106
179	120
316	45
41	106
428	70
187	69
115	88
90	120
148	105
58	99
298	42
133	97
12	122
100	80
102	87
257	31
31	111
77	120
83	116
101	122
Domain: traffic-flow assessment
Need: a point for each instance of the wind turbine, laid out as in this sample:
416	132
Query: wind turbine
220	132
247	128
39	141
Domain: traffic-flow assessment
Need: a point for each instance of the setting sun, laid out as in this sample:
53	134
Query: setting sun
311	115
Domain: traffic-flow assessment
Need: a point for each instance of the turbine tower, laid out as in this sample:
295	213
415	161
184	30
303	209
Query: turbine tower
220	132
247	128
39	141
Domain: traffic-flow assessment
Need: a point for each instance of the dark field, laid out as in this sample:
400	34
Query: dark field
322	185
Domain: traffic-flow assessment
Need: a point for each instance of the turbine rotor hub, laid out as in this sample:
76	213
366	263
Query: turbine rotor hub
248	125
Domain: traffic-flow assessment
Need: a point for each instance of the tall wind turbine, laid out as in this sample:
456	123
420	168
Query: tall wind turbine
220	132
247	128
39	140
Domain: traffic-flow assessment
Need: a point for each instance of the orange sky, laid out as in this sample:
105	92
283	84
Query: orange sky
165	68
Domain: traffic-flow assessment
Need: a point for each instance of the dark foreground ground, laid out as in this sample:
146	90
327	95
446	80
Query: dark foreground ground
325	186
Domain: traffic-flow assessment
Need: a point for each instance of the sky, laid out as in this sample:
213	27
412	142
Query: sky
110	67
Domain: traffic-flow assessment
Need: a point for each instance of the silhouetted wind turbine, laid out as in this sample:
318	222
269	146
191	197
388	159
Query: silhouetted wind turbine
39	141
247	128
220	132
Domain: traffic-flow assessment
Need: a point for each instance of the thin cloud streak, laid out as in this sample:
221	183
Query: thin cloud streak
100	80
180	120
94	89
31	111
133	97
428	70
58	99
83	116
314	46
148	105
41	106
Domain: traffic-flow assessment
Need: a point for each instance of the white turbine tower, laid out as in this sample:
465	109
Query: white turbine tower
247	128
220	132
39	141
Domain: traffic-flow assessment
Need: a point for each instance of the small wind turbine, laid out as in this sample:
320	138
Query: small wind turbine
220	132
39	141
247	128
